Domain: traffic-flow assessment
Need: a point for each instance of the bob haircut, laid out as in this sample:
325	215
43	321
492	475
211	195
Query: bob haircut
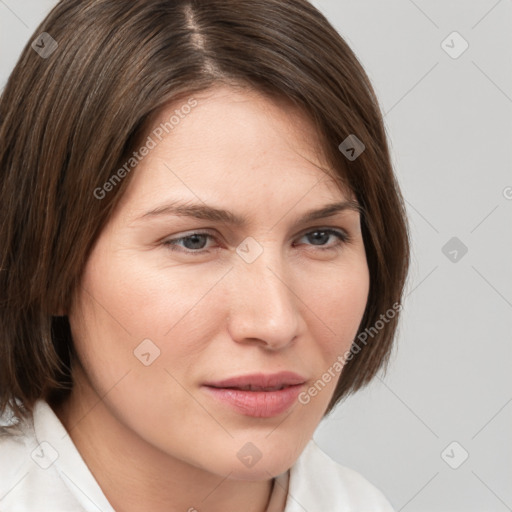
69	120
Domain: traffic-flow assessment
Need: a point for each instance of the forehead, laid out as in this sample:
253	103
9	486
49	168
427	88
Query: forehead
241	122
233	144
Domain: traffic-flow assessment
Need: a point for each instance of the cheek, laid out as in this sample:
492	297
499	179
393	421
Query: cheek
338	301
152	299
335	307
123	303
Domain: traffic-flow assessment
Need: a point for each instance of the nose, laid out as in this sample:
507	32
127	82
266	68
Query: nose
262	304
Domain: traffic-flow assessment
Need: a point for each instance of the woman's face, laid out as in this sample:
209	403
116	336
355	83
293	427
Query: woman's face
176	297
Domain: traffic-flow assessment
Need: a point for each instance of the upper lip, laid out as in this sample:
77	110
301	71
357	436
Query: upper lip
260	381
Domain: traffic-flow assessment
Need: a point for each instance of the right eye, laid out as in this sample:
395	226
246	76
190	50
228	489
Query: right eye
193	243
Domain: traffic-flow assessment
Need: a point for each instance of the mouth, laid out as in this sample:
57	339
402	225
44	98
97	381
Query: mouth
260	381
258	395
251	387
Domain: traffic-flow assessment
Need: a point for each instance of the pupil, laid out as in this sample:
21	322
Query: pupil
324	236
193	240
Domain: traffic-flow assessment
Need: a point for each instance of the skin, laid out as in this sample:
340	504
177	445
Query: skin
151	436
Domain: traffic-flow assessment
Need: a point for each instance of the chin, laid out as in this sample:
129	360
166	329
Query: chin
260	471
261	460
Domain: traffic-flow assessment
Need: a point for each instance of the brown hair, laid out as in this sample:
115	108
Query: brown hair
69	119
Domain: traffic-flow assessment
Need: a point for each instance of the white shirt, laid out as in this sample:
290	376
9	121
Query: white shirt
41	470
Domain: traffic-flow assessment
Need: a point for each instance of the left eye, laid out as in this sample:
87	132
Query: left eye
321	235
195	243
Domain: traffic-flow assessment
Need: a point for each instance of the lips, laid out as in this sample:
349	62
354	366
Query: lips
250	387
258	395
260	381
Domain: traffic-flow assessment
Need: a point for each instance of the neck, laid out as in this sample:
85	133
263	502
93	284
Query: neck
136	476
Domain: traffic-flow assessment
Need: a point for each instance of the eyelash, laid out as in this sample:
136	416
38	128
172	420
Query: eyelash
342	236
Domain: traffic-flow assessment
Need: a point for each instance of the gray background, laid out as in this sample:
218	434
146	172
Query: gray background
449	123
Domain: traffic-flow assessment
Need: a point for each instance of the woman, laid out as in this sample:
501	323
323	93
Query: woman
200	226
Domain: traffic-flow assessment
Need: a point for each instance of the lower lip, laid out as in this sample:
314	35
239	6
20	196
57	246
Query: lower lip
258	404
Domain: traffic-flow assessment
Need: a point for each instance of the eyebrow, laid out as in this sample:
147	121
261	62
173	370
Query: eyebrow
203	211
